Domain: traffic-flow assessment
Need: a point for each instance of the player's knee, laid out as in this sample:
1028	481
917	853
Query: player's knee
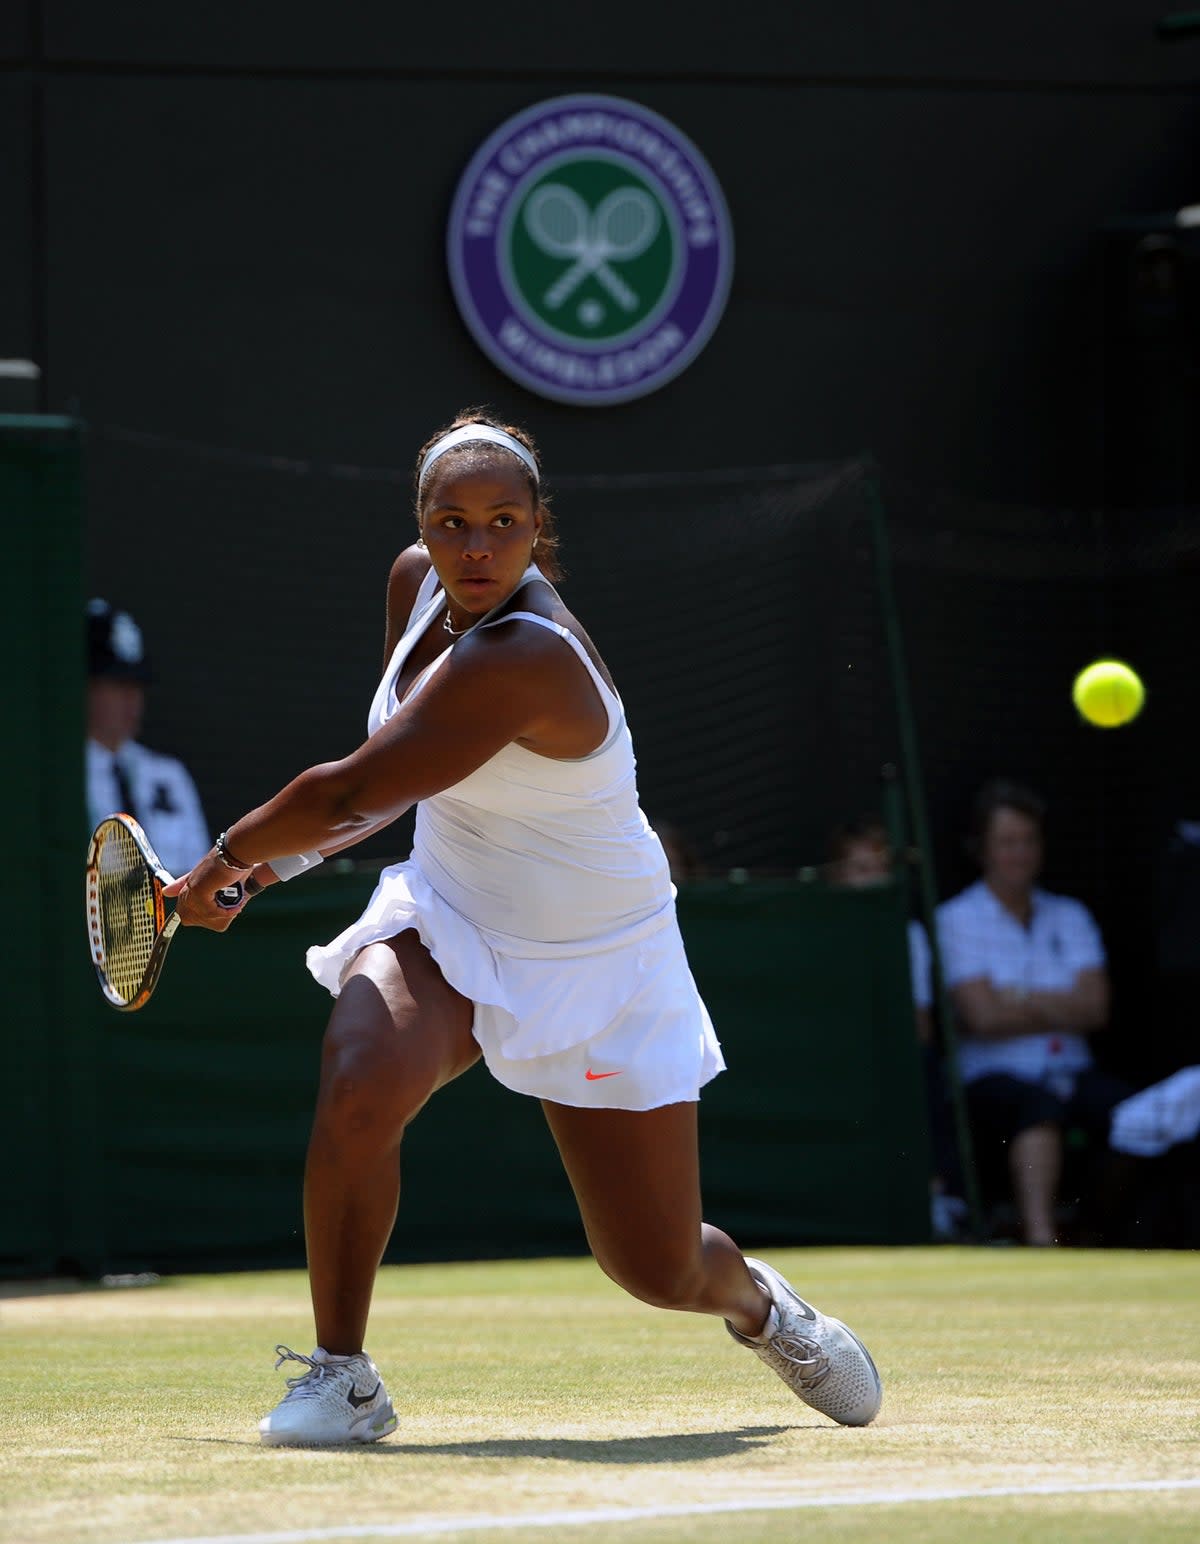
367	1090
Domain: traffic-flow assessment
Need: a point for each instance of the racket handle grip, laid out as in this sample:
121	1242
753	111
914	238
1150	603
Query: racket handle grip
230	896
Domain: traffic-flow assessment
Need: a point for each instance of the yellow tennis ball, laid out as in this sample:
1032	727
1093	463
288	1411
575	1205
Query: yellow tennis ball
1108	693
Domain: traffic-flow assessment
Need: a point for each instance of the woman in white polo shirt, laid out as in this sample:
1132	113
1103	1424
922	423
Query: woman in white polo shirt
1027	973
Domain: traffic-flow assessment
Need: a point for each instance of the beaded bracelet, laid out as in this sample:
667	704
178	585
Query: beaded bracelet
227	858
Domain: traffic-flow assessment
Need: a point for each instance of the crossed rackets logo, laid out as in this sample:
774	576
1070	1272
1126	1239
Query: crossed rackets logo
589	249
620	228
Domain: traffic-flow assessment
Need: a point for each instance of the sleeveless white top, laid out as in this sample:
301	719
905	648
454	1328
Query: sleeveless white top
536	884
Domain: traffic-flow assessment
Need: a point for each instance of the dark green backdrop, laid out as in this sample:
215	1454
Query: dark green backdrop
173	1138
190	1155
46	1131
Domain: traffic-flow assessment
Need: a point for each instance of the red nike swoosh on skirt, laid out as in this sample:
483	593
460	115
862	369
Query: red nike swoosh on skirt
592	1077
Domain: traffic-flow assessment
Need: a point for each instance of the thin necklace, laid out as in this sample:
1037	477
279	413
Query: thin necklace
455	632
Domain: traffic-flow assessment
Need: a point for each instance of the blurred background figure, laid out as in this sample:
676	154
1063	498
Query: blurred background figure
1028	977
122	775
1158	1132
860	856
682	858
1163	1116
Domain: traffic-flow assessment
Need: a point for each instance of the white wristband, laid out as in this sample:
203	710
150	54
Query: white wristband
288	868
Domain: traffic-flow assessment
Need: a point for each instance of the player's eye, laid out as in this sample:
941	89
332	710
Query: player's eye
504	520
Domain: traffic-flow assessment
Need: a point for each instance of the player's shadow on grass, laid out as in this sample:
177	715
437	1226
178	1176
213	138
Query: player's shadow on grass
676	1448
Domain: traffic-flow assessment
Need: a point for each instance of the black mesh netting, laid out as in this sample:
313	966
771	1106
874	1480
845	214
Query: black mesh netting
737	612
742	615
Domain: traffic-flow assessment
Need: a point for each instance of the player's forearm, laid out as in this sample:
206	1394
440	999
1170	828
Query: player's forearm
266	875
359	834
317	812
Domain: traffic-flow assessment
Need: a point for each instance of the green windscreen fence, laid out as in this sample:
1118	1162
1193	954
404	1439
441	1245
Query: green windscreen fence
187	1150
173	1138
815	1134
47	1135
748	618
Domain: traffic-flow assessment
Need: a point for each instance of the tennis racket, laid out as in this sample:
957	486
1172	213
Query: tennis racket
128	927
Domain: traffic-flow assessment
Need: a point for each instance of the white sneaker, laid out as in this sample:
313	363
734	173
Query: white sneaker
818	1358
337	1399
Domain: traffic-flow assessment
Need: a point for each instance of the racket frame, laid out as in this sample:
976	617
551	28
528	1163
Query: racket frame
165	926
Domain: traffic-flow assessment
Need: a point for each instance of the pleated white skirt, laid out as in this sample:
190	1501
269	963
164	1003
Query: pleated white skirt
618	1026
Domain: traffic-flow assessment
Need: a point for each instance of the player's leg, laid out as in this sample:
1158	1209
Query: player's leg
636	1177
398	1033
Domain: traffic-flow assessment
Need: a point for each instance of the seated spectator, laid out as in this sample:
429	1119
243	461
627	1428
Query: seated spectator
1165	1115
860	856
1027	973
123	776
1158	1131
682	859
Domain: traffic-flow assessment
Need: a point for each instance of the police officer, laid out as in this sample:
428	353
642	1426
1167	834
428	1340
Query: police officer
123	775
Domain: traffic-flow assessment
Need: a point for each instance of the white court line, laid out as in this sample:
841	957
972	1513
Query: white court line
632	1514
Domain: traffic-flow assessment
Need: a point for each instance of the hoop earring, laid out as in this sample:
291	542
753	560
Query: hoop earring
536	539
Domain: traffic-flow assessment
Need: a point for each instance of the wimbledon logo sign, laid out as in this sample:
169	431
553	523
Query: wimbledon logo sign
590	249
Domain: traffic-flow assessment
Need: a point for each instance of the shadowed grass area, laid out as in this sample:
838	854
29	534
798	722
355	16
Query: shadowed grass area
537	1387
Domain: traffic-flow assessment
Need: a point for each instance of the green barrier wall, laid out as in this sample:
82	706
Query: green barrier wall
815	1134
174	1138
47	1135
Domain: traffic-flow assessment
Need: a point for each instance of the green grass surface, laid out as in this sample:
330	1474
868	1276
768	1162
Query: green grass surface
537	1387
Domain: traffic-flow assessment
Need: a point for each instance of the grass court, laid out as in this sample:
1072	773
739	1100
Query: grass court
537	1401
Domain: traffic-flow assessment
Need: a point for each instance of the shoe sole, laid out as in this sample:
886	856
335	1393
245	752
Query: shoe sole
368	1433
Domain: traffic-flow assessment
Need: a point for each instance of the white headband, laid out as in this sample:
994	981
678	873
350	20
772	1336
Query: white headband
467	435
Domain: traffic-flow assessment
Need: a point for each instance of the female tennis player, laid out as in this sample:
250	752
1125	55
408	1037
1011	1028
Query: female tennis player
534	924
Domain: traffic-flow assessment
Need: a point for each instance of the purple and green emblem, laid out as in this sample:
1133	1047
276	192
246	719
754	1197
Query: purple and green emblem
590	249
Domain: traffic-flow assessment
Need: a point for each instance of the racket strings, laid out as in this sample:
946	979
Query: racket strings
128	913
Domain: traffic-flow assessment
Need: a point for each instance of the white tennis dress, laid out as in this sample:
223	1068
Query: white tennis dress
544	896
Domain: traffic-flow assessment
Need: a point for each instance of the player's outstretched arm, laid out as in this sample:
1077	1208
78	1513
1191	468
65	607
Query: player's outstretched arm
498	689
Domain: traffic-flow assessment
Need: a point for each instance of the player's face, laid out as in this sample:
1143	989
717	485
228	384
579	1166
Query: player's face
1012	850
479	527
